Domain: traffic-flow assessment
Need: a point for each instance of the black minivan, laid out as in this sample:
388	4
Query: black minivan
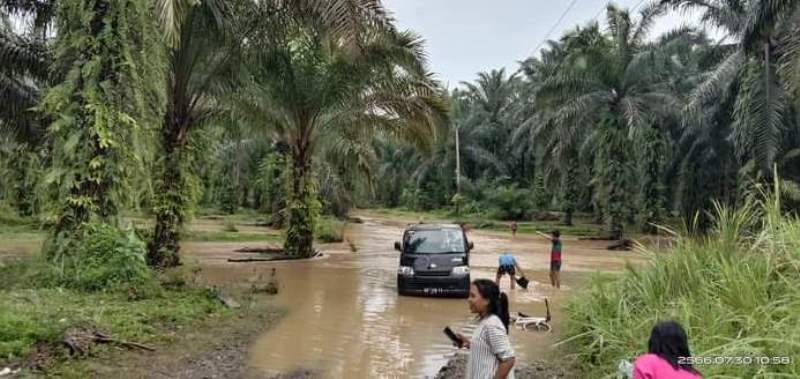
434	260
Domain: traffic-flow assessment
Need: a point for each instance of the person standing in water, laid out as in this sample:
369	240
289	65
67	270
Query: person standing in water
507	264
555	257
491	354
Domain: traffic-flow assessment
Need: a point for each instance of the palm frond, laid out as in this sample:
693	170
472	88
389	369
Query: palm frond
715	85
647	18
760	118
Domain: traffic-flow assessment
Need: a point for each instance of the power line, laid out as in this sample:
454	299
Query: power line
563	15
553	28
599	12
637	5
606	5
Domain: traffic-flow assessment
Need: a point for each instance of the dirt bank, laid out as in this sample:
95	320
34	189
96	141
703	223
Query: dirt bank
214	348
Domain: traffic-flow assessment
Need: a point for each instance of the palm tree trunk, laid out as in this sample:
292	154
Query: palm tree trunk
569	187
170	202
300	233
568	217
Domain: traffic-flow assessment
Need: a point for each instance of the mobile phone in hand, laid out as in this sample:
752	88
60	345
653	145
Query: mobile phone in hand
453	337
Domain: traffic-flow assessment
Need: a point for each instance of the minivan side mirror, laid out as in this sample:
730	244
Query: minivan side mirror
471	245
397	246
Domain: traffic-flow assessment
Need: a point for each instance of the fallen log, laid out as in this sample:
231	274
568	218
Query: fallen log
80	339
624	244
608	236
597	238
103	338
239	260
273	258
261	250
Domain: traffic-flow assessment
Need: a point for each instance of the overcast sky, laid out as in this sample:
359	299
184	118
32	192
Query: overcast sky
464	37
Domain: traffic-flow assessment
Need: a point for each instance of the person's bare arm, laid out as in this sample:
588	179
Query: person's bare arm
465	343
504	368
519	269
543	235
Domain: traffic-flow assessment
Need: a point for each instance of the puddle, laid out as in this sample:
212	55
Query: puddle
346	320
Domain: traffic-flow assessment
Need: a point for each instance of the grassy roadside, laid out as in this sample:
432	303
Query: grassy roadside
33	312
34	318
213	346
96	280
735	290
580	228
228	236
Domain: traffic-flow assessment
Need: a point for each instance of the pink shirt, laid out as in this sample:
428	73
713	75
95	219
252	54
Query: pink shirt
651	366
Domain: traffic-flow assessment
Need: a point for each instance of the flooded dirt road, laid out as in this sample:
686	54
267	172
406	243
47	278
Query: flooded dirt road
346	320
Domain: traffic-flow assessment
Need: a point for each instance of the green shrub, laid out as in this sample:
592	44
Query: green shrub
736	291
507	202
409	198
230	226
458	201
100	257
330	230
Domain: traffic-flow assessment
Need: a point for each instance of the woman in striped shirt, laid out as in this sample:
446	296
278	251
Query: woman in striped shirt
491	354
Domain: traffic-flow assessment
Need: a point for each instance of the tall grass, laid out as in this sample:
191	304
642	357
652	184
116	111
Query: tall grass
329	230
736	291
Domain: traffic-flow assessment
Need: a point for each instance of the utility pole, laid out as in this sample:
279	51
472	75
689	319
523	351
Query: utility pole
458	165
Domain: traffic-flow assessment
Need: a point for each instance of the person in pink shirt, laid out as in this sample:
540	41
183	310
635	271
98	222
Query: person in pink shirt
668	353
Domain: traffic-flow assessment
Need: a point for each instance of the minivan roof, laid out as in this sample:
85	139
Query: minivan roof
433	226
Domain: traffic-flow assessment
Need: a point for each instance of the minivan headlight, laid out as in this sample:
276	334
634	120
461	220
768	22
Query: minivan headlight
405	271
461	270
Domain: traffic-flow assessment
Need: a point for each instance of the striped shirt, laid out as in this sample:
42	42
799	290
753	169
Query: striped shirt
488	346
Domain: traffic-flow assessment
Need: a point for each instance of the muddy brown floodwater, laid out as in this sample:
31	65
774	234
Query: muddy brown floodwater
346	320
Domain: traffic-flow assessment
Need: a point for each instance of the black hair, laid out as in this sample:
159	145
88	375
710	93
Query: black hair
668	340
556	233
498	301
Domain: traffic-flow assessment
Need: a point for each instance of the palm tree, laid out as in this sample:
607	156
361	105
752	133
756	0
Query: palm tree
325	68
763	123
611	87
489	112
562	163
200	60
24	63
98	105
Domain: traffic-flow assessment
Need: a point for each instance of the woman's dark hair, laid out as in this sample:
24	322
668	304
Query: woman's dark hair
556	233
498	301
668	341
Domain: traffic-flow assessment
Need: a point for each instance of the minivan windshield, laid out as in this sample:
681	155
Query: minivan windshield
441	241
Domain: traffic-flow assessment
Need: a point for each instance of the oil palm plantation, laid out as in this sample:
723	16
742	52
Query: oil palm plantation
558	153
762	33
610	91
334	69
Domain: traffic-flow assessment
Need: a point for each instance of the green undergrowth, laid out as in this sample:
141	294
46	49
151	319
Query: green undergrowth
329	229
735	290
41	315
98	278
230	236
